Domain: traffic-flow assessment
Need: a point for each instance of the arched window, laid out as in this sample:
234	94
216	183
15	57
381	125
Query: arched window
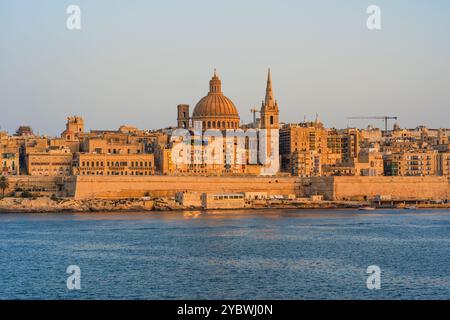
271	119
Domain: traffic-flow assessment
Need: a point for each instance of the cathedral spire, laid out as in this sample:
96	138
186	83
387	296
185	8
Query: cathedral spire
269	101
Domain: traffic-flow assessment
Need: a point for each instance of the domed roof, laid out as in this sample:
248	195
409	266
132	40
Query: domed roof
215	104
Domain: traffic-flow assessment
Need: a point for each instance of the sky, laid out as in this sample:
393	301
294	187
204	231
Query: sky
134	61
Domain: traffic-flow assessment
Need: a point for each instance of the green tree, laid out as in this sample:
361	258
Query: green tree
4	184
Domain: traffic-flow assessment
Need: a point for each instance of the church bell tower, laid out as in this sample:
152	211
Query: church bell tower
269	108
269	126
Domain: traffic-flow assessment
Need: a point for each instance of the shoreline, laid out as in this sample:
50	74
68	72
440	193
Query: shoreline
48	205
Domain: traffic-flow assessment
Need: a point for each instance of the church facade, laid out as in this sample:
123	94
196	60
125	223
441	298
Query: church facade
212	141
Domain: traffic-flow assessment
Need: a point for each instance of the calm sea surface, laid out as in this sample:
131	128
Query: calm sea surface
298	254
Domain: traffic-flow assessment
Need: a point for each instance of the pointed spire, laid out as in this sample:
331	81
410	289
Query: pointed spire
269	101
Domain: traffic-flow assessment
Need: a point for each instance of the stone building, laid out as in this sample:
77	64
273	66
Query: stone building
443	165
136	164
74	128
412	163
24	131
308	149
213	141
214	111
51	162
303	148
9	155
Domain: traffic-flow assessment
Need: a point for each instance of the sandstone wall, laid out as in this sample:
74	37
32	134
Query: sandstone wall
332	188
318	186
116	187
38	184
354	188
437	188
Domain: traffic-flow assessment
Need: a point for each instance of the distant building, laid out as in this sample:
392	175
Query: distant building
412	163
223	201
74	128
24	131
9	163
189	199
101	164
216	148
443	165
51	162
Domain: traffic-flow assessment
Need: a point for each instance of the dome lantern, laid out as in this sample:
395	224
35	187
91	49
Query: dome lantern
215	110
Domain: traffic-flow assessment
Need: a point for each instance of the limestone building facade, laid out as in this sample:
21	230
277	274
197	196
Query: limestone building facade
219	144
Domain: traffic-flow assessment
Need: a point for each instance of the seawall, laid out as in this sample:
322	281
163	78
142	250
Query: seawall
358	188
116	187
332	188
43	185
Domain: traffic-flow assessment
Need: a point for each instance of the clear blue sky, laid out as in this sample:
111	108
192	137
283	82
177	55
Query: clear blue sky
135	60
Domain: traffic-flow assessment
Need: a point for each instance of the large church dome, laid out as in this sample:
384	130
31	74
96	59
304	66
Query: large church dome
216	110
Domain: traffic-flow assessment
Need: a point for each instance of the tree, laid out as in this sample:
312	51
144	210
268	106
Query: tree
4	184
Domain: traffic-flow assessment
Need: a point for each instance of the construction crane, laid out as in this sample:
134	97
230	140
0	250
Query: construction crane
384	118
